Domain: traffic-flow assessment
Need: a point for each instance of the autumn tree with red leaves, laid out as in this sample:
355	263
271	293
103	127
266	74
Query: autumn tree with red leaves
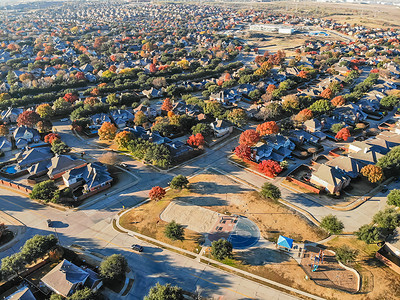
196	140
152	68
243	151
51	137
270	168
28	118
250	137
157	193
338	101
70	97
343	134
167	105
107	131
267	128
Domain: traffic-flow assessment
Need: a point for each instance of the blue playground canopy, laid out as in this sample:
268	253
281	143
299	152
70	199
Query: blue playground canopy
284	241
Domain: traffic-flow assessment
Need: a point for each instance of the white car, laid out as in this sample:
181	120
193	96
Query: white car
64	120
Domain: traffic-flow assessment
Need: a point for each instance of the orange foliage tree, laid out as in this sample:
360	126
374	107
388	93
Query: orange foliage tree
107	131
327	93
304	115
51	137
373	173
122	138
250	137
167	105
338	101
269	167
267	128
343	134
196	140
71	98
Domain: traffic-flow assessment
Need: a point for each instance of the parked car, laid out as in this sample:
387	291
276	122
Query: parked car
123	165
49	223
64	120
137	248
384	189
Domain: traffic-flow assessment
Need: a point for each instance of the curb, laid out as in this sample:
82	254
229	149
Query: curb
21	229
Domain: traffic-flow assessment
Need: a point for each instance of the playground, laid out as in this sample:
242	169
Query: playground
322	267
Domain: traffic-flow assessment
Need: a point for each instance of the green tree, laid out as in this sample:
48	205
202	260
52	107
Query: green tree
389	102
179	182
44	190
268	190
369	234
204	129
165	292
345	254
391	161
83	294
335	128
12	264
238	117
214	108
394	198
221	249
37	246
332	224
56	297
59	147
62	107
387	219
113	267
320	106
174	231
112	99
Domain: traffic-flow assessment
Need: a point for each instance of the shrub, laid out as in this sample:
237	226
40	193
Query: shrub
331	224
270	191
174	231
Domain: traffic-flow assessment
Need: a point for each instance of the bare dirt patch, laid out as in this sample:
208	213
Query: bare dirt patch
195	218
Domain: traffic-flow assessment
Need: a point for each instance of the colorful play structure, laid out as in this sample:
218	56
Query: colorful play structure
318	259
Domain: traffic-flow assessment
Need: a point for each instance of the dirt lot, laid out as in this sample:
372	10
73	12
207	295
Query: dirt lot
145	219
373	15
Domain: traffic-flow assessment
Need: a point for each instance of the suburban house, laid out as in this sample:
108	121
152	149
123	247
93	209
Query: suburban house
56	166
33	156
91	177
152	93
332	179
312	125
24	135
11	114
389	254
350	166
221	127
65	278
226	97
121	117
350	114
23	293
149	111
5	144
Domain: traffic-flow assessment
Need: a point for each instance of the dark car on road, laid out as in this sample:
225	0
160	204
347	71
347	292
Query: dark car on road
137	248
